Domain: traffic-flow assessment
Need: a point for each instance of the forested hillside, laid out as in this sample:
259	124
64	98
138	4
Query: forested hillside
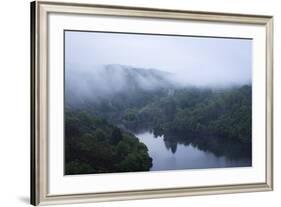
92	145
225	113
99	129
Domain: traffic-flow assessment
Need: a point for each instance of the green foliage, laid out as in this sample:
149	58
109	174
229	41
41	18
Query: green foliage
94	146
76	167
224	113
219	112
116	135
218	120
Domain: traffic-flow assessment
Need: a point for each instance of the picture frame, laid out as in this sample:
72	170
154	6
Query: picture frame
42	179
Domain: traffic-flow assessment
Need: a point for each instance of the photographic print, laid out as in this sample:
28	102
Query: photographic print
137	103
151	102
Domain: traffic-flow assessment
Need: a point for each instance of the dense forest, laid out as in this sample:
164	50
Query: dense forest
92	145
99	134
224	112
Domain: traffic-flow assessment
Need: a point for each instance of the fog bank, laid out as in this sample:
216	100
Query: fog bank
103	64
194	60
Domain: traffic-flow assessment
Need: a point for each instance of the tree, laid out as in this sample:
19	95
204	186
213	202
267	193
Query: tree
116	135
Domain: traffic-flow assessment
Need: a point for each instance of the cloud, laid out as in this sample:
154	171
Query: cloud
191	61
196	60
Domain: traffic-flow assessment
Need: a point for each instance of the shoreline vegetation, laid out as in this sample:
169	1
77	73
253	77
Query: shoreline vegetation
92	145
99	130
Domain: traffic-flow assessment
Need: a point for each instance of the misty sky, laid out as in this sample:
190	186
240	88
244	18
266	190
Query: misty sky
195	60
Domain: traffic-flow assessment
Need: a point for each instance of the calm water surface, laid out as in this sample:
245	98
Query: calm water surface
183	156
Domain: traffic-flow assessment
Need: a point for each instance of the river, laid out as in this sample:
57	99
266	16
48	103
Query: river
180	156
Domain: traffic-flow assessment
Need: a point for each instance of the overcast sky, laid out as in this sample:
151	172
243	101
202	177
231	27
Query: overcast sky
195	60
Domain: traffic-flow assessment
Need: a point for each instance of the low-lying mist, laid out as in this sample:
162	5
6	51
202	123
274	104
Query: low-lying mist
103	82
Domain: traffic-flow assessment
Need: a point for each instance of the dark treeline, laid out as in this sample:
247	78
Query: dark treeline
225	112
92	145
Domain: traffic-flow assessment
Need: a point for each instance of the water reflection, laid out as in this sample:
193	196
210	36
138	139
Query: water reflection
171	146
171	153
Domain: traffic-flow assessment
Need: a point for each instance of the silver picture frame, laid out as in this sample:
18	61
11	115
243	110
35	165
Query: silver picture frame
39	100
